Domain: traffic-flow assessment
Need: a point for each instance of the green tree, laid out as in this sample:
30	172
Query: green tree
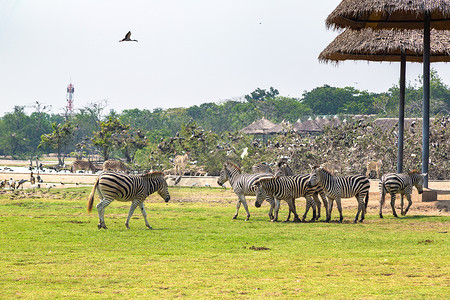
58	140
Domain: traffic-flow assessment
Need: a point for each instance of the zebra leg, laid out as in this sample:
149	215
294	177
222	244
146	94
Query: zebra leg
101	212
325	204
339	206
316	207
244	203
330	208
393	205
408	197
277	208
144	214
133	206
238	205
401	204
272	206
360	199
291	204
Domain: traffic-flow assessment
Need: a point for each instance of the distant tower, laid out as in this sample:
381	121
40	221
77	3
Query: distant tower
69	98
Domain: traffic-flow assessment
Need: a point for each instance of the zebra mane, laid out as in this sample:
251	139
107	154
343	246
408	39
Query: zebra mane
326	171
228	162
152	174
413	172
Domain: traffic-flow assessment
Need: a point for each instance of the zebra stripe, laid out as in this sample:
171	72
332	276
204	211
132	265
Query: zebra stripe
242	185
402	184
121	187
283	169
261	168
114	166
289	188
337	187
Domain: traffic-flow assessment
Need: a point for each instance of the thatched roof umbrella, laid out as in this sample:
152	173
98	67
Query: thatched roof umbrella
388	45
262	126
403	14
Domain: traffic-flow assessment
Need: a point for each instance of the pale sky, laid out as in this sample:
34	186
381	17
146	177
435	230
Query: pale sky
188	52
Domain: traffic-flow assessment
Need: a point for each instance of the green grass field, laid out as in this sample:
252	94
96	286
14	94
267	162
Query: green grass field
51	248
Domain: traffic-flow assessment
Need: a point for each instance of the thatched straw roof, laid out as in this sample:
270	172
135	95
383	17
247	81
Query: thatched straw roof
407	14
390	123
284	126
262	126
386	45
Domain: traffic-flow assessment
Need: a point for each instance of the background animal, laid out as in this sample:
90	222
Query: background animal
114	166
85	165
374	165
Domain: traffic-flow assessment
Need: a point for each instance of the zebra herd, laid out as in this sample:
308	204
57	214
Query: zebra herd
282	185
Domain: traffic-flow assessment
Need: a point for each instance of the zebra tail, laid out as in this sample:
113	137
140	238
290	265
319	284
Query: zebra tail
91	196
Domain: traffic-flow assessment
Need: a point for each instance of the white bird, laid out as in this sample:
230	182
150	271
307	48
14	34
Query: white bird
127	38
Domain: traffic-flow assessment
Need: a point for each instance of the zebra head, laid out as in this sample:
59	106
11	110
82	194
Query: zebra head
417	180
314	176
223	177
161	185
260	192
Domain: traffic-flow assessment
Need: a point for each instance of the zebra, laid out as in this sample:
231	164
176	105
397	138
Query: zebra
261	168
289	188
242	185
115	166
337	187
85	165
402	184
283	169
123	187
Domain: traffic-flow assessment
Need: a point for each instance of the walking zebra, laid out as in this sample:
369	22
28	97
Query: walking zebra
400	184
337	187
115	166
85	165
261	168
289	188
242	184
122	187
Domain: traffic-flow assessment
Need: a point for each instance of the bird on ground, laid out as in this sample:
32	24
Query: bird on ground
127	38
21	182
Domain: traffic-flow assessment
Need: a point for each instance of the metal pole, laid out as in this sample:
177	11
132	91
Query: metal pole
426	98
401	112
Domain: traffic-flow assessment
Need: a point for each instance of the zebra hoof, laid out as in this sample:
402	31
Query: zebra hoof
149	227
396	216
381	216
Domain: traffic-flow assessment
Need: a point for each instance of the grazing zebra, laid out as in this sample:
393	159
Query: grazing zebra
337	187
242	184
115	166
283	169
374	165
261	168
122	187
85	165
289	188
400	184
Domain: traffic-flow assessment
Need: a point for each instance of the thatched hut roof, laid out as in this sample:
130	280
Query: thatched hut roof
284	126
386	45
309	126
262	126
408	14
389	123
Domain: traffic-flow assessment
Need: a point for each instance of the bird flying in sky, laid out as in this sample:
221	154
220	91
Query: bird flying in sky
127	38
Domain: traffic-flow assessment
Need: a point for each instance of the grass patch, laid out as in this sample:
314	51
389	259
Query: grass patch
51	248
